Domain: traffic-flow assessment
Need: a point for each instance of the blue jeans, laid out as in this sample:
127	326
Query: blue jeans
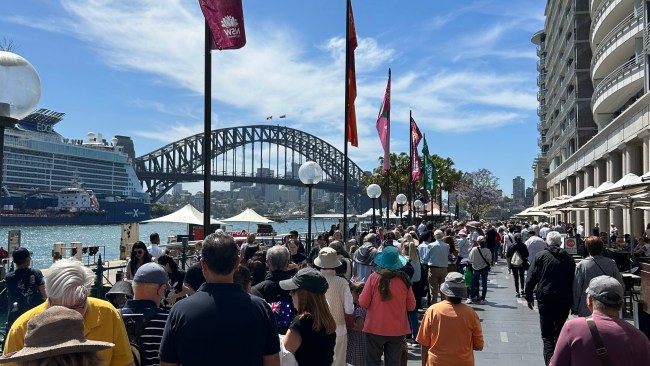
482	275
413	323
495	252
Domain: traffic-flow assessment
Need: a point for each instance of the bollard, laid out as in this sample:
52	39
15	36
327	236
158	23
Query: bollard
99	278
184	253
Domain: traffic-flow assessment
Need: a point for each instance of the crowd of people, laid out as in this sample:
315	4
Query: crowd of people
353	302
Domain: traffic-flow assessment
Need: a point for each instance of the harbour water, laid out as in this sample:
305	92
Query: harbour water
40	239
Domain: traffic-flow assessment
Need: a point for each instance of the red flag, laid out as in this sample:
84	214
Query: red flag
350	74
226	21
416	136
383	125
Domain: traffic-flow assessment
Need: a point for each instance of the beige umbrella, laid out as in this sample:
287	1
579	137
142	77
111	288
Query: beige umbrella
186	215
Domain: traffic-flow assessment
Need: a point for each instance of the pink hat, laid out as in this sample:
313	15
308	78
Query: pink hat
462	232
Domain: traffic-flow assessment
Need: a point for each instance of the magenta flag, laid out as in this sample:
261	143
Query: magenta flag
383	125
226	21
416	136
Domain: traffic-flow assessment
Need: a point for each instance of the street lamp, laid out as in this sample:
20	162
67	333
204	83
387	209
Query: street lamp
418	205
20	90
310	173
374	191
401	200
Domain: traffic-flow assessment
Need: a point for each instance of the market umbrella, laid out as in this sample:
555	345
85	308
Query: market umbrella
250	216
186	215
628	185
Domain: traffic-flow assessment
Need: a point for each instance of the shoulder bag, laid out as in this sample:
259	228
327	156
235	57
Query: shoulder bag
482	256
600	347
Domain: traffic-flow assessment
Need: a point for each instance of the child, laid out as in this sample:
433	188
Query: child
356	338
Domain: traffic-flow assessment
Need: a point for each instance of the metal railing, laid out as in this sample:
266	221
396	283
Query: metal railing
627	69
624	27
599	13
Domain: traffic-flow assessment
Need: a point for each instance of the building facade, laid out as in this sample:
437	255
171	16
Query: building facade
594	105
519	189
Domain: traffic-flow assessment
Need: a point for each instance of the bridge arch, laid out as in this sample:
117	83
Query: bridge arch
182	161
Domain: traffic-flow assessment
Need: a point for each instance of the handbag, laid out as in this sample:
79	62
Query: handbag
600	347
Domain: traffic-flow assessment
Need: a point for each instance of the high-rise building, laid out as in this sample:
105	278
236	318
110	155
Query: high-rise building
594	110
528	201
519	188
177	189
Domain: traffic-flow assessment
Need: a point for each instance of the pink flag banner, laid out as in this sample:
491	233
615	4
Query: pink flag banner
416	137
383	125
226	21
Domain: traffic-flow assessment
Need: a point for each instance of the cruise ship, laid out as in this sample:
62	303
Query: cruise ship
52	180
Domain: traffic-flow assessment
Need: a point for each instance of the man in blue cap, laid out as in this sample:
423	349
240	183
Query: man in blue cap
25	286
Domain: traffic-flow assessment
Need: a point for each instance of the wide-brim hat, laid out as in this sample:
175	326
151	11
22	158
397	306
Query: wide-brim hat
327	258
454	285
56	331
390	259
121	288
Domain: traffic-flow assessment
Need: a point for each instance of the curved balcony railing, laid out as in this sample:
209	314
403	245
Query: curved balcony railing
597	18
646	38
623	28
626	70
541	79
541	94
541	110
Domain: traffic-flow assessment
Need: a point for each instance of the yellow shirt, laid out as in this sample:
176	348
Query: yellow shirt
101	323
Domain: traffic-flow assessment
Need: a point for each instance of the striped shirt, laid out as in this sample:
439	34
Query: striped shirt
152	332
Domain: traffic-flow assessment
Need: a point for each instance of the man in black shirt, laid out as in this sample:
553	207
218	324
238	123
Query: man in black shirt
25	286
220	322
193	278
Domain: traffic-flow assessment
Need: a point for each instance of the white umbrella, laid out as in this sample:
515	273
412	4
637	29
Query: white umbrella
249	215
629	184
186	215
550	205
532	213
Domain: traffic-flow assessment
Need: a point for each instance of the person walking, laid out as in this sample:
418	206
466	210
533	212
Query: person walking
534	243
220	321
591	267
517	255
450	331
551	276
25	286
410	251
464	247
339	299
363	257
387	298
277	260
437	261
139	256
312	334
154	249
480	258
612	338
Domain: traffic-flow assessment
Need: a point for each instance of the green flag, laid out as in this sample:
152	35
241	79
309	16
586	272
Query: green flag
429	170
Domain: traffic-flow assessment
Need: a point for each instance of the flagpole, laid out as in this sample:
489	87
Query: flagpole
207	130
389	203
347	121
411	169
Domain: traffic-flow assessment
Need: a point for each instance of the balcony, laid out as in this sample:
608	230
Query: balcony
541	94
618	87
541	79
617	46
608	14
541	50
541	64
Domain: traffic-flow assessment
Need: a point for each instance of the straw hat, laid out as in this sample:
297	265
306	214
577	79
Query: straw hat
56	331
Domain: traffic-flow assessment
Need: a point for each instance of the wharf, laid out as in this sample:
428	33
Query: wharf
511	331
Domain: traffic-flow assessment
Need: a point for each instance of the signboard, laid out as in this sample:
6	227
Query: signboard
14	240
570	245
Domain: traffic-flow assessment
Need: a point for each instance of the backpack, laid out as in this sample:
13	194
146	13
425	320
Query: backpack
135	324
516	260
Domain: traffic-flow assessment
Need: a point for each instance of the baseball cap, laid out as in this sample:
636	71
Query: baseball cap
20	255
606	289
151	273
308	279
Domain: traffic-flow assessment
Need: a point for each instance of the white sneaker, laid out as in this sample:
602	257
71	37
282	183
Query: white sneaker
469	301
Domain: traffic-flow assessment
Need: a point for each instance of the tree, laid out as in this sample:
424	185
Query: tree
478	192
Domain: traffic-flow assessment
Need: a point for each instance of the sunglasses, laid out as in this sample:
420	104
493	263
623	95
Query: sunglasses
139	251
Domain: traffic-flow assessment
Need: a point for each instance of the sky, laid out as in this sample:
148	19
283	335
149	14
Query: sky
466	70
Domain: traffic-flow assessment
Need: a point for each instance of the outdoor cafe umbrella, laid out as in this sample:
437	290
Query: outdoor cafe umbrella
186	215
249	215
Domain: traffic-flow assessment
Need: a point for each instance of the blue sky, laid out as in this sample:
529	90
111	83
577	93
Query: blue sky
467	69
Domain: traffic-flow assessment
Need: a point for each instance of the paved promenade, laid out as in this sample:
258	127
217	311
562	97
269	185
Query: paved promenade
510	329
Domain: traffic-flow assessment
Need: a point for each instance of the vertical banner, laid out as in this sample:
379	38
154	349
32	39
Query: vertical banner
416	136
383	125
351	80
226	21
429	171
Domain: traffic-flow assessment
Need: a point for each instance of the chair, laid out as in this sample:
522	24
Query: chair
629	295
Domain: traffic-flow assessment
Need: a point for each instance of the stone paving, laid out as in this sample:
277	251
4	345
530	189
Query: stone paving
511	330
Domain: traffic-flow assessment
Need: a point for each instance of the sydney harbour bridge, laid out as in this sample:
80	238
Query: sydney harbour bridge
260	154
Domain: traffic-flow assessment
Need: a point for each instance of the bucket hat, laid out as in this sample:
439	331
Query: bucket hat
454	285
56	331
327	258
390	259
121	288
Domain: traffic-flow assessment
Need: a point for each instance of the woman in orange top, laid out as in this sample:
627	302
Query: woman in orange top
450	331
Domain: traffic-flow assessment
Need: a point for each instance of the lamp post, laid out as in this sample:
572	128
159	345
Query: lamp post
310	173
418	205
401	200
20	90
374	191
